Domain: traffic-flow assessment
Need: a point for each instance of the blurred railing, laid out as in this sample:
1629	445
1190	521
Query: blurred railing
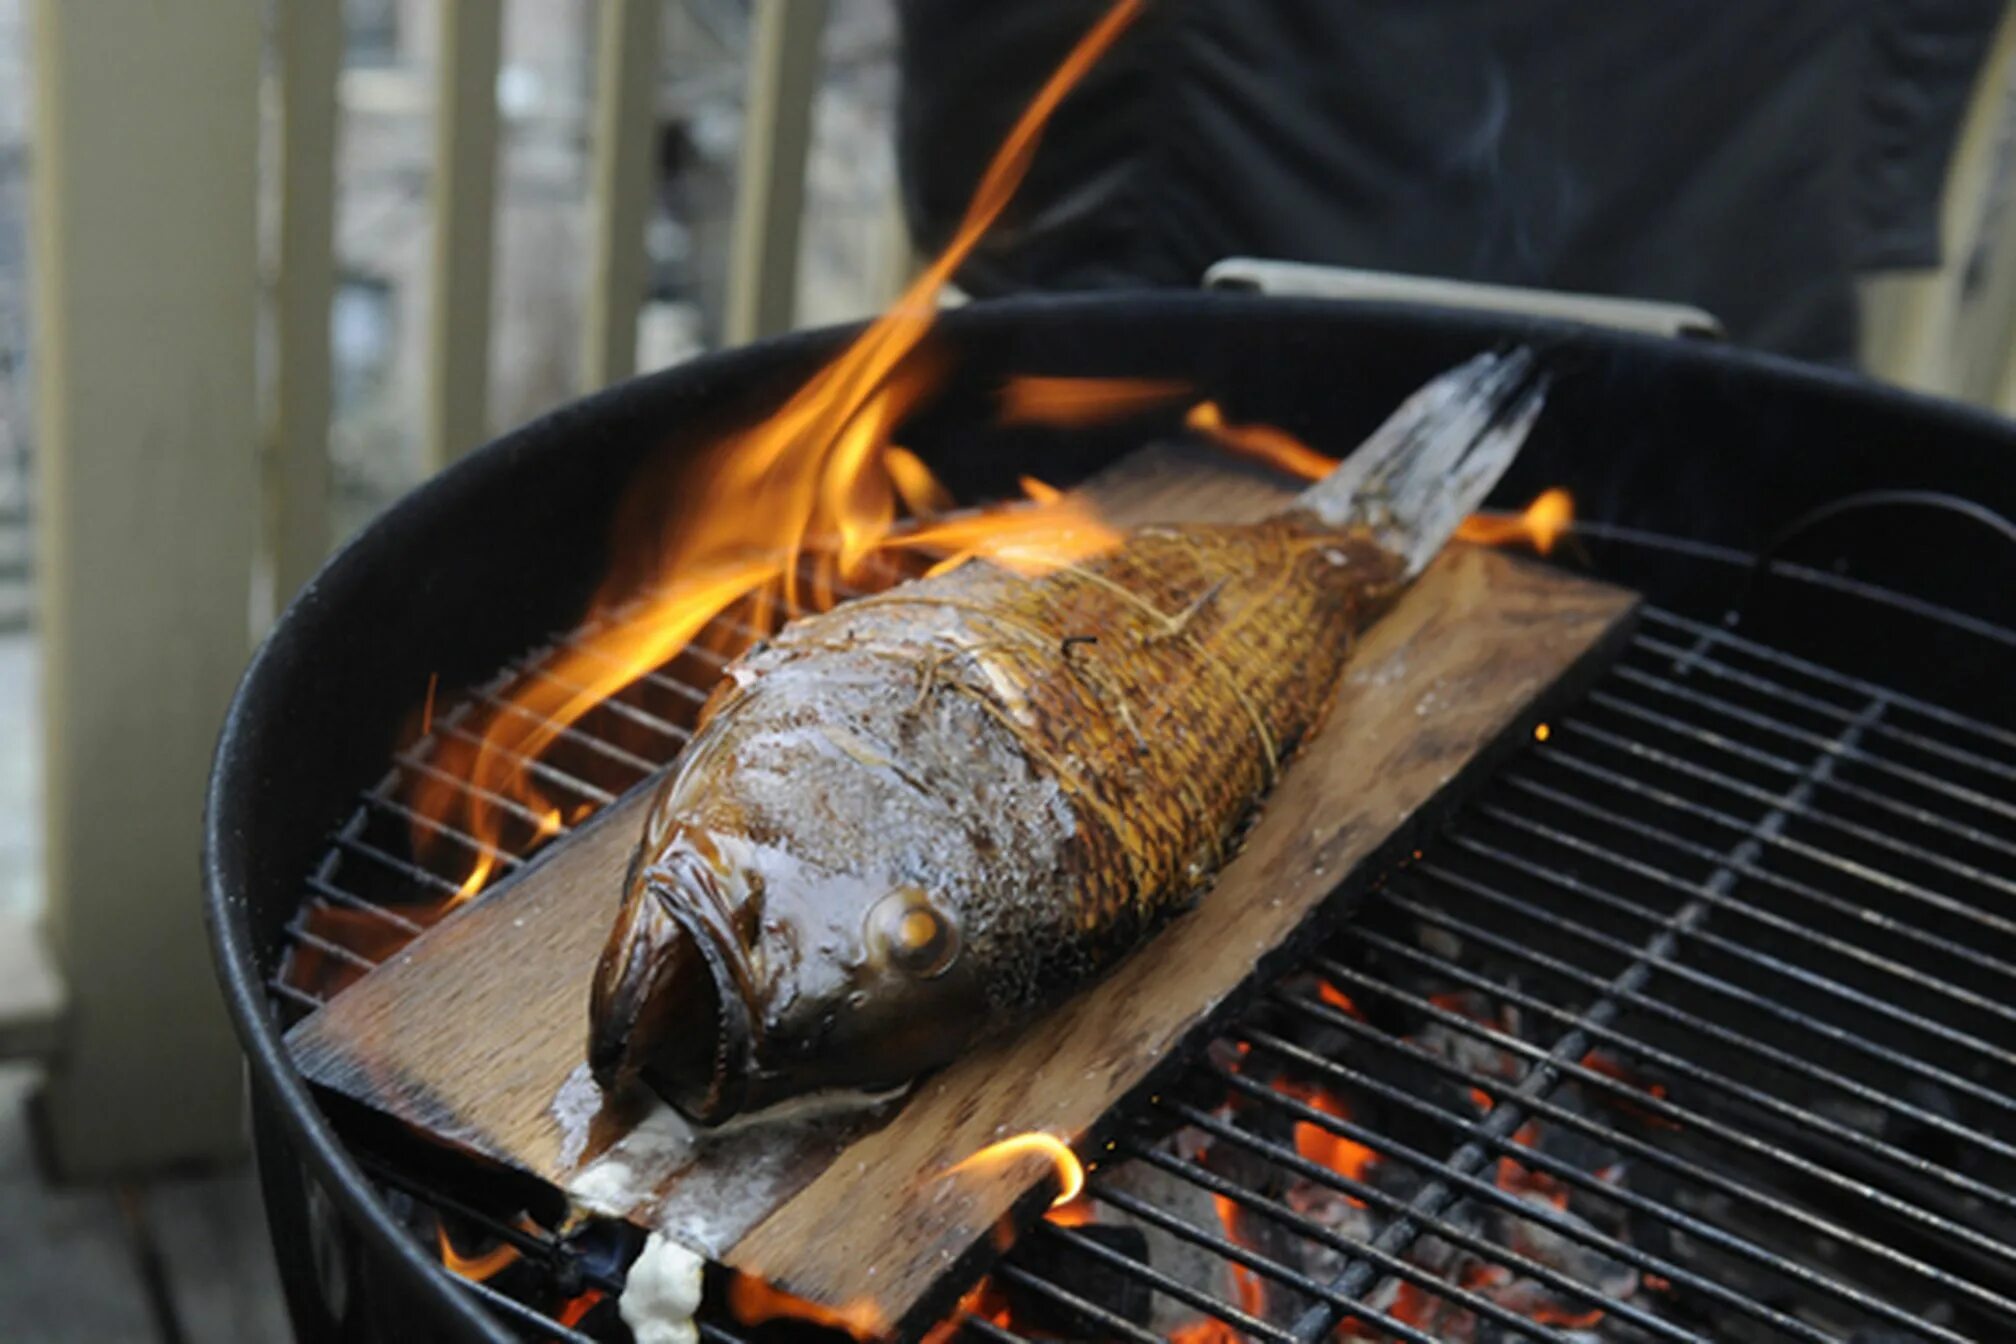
150	409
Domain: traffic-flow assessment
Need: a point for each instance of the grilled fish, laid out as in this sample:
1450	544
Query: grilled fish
917	819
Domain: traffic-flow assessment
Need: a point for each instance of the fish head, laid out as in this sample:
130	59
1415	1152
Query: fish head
738	976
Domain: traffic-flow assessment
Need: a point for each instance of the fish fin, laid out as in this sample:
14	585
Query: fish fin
1436	457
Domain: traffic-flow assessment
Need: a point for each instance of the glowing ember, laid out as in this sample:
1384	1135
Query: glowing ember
1596	1061
819	482
1070	1171
753	1302
1338	999
1541	525
1262	443
1075	402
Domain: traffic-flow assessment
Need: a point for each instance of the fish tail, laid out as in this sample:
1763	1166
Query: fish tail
1436	458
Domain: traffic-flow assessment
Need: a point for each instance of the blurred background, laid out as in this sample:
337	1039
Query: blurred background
437	219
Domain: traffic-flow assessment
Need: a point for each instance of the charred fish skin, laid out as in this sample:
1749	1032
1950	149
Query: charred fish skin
915	820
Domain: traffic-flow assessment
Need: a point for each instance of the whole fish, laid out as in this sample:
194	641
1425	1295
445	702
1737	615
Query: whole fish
919	818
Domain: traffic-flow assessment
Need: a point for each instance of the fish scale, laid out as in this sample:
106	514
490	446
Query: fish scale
914	820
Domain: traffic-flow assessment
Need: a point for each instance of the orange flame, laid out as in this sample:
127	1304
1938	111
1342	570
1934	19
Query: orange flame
1070	1171
1252	1291
1075	1212
984	1300
1541	524
577	1307
477	1268
753	1302
1343	1156
1262	443
1075	402
818	481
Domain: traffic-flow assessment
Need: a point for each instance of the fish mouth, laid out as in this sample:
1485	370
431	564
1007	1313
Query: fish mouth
671	1001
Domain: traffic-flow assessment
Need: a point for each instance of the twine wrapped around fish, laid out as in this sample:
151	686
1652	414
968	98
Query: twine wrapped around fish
917	819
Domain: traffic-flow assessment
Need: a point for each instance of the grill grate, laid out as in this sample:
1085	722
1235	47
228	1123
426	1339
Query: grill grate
1693	1026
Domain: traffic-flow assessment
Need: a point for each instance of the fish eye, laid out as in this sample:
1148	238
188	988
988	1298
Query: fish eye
907	931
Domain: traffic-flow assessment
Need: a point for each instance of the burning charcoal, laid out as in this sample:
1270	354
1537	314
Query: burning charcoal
1057	1262
1170	1254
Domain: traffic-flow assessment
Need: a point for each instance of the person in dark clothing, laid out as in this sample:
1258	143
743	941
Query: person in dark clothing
1747	158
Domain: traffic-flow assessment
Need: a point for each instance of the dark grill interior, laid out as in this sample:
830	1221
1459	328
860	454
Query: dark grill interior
1686	1028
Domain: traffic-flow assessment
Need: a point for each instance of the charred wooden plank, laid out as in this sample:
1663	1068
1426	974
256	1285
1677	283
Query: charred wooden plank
477	1031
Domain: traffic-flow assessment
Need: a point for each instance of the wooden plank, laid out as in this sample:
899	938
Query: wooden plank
626	74
308	38
770	186
477	1030
145	297
31	993
465	198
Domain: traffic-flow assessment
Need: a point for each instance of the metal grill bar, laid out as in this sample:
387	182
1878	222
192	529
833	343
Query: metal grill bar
1693	661
540	769
1699	1025
1551	1067
1750	718
1720	1238
1823	942
1585	1030
1807	812
1846	867
1891	926
1245	1321
1205	1179
1372	1196
1707	633
376	803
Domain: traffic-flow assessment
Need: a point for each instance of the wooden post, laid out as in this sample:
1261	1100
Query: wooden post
626	87
770	190
309	37
465	191
145	296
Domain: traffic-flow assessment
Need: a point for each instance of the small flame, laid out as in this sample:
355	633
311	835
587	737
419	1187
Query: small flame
984	1300
1252	1291
1070	1171
1262	443
1542	523
1344	1156
1076	1212
578	1307
753	1302
1541	732
819	482
476	1268
1072	403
